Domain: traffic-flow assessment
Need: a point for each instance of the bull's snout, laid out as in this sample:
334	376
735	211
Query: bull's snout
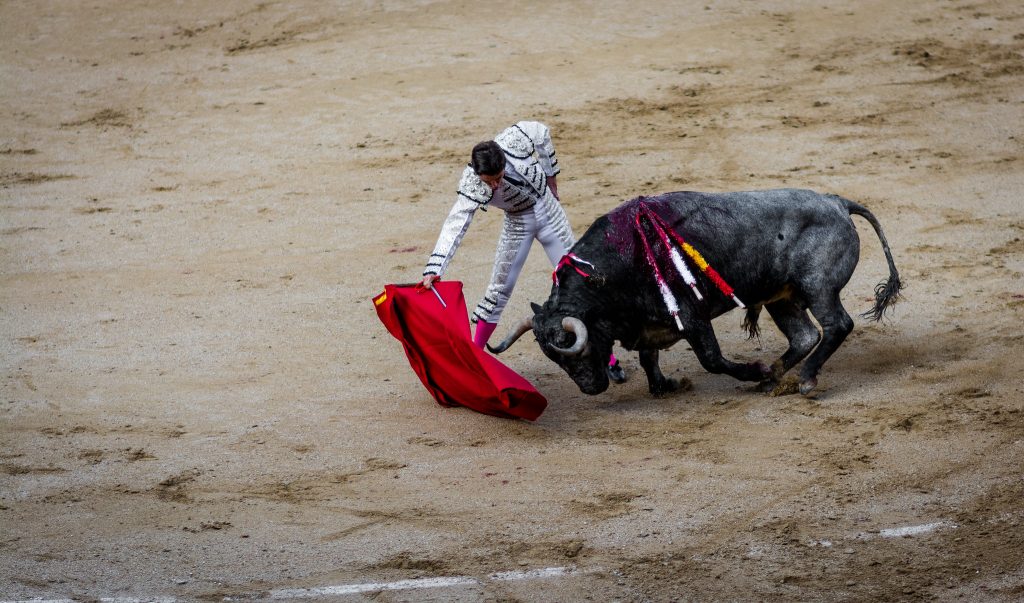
593	389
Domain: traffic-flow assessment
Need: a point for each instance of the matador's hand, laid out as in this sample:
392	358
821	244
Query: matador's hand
428	281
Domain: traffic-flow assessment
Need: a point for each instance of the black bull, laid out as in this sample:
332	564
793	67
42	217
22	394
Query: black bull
788	251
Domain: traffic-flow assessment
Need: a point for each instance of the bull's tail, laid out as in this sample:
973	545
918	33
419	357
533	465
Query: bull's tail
887	292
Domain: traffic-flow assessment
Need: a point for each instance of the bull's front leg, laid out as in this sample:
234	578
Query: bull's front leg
705	345
657	382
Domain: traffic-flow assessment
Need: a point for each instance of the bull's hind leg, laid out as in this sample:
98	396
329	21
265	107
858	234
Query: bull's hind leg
796	325
836	324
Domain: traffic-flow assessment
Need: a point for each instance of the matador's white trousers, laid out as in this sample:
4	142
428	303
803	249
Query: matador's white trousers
546	222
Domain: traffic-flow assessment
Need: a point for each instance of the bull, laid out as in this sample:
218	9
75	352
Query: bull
788	251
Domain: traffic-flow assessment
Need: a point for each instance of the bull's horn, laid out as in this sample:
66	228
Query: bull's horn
521	328
576	326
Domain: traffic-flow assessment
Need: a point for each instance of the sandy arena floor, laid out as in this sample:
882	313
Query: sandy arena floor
198	200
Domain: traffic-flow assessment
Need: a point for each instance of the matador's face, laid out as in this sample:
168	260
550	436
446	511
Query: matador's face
493	180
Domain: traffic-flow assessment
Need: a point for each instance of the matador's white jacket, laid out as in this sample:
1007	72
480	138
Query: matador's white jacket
529	206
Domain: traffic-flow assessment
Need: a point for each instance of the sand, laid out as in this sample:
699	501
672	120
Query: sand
198	200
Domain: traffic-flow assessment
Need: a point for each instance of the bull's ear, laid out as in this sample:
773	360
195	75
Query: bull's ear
535	308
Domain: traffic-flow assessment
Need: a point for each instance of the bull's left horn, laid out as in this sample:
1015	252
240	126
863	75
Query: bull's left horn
576	326
521	328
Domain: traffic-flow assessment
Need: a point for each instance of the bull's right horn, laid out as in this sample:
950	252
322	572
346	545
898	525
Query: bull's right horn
521	328
576	326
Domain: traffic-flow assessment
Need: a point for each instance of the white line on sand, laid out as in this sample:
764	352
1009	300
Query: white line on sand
347	589
101	600
40	601
892	532
366	587
914	530
550	572
906	530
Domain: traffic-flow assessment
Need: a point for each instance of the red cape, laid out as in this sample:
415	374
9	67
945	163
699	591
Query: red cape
438	344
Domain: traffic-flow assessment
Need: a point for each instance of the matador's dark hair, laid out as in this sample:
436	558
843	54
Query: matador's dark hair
487	159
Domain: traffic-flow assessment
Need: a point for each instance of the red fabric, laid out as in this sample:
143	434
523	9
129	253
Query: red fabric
437	342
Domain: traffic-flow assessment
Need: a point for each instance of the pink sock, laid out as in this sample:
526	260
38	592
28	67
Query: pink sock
483	333
612	360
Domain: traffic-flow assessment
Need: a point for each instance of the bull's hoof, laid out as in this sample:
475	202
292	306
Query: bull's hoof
786	387
808	385
670	386
664	387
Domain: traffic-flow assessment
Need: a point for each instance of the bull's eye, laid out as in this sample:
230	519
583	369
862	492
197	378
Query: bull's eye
565	340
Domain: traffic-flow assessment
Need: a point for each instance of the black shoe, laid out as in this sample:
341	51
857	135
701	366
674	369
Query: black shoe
616	373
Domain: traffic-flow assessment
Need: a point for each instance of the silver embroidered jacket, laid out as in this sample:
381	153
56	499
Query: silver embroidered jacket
529	161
